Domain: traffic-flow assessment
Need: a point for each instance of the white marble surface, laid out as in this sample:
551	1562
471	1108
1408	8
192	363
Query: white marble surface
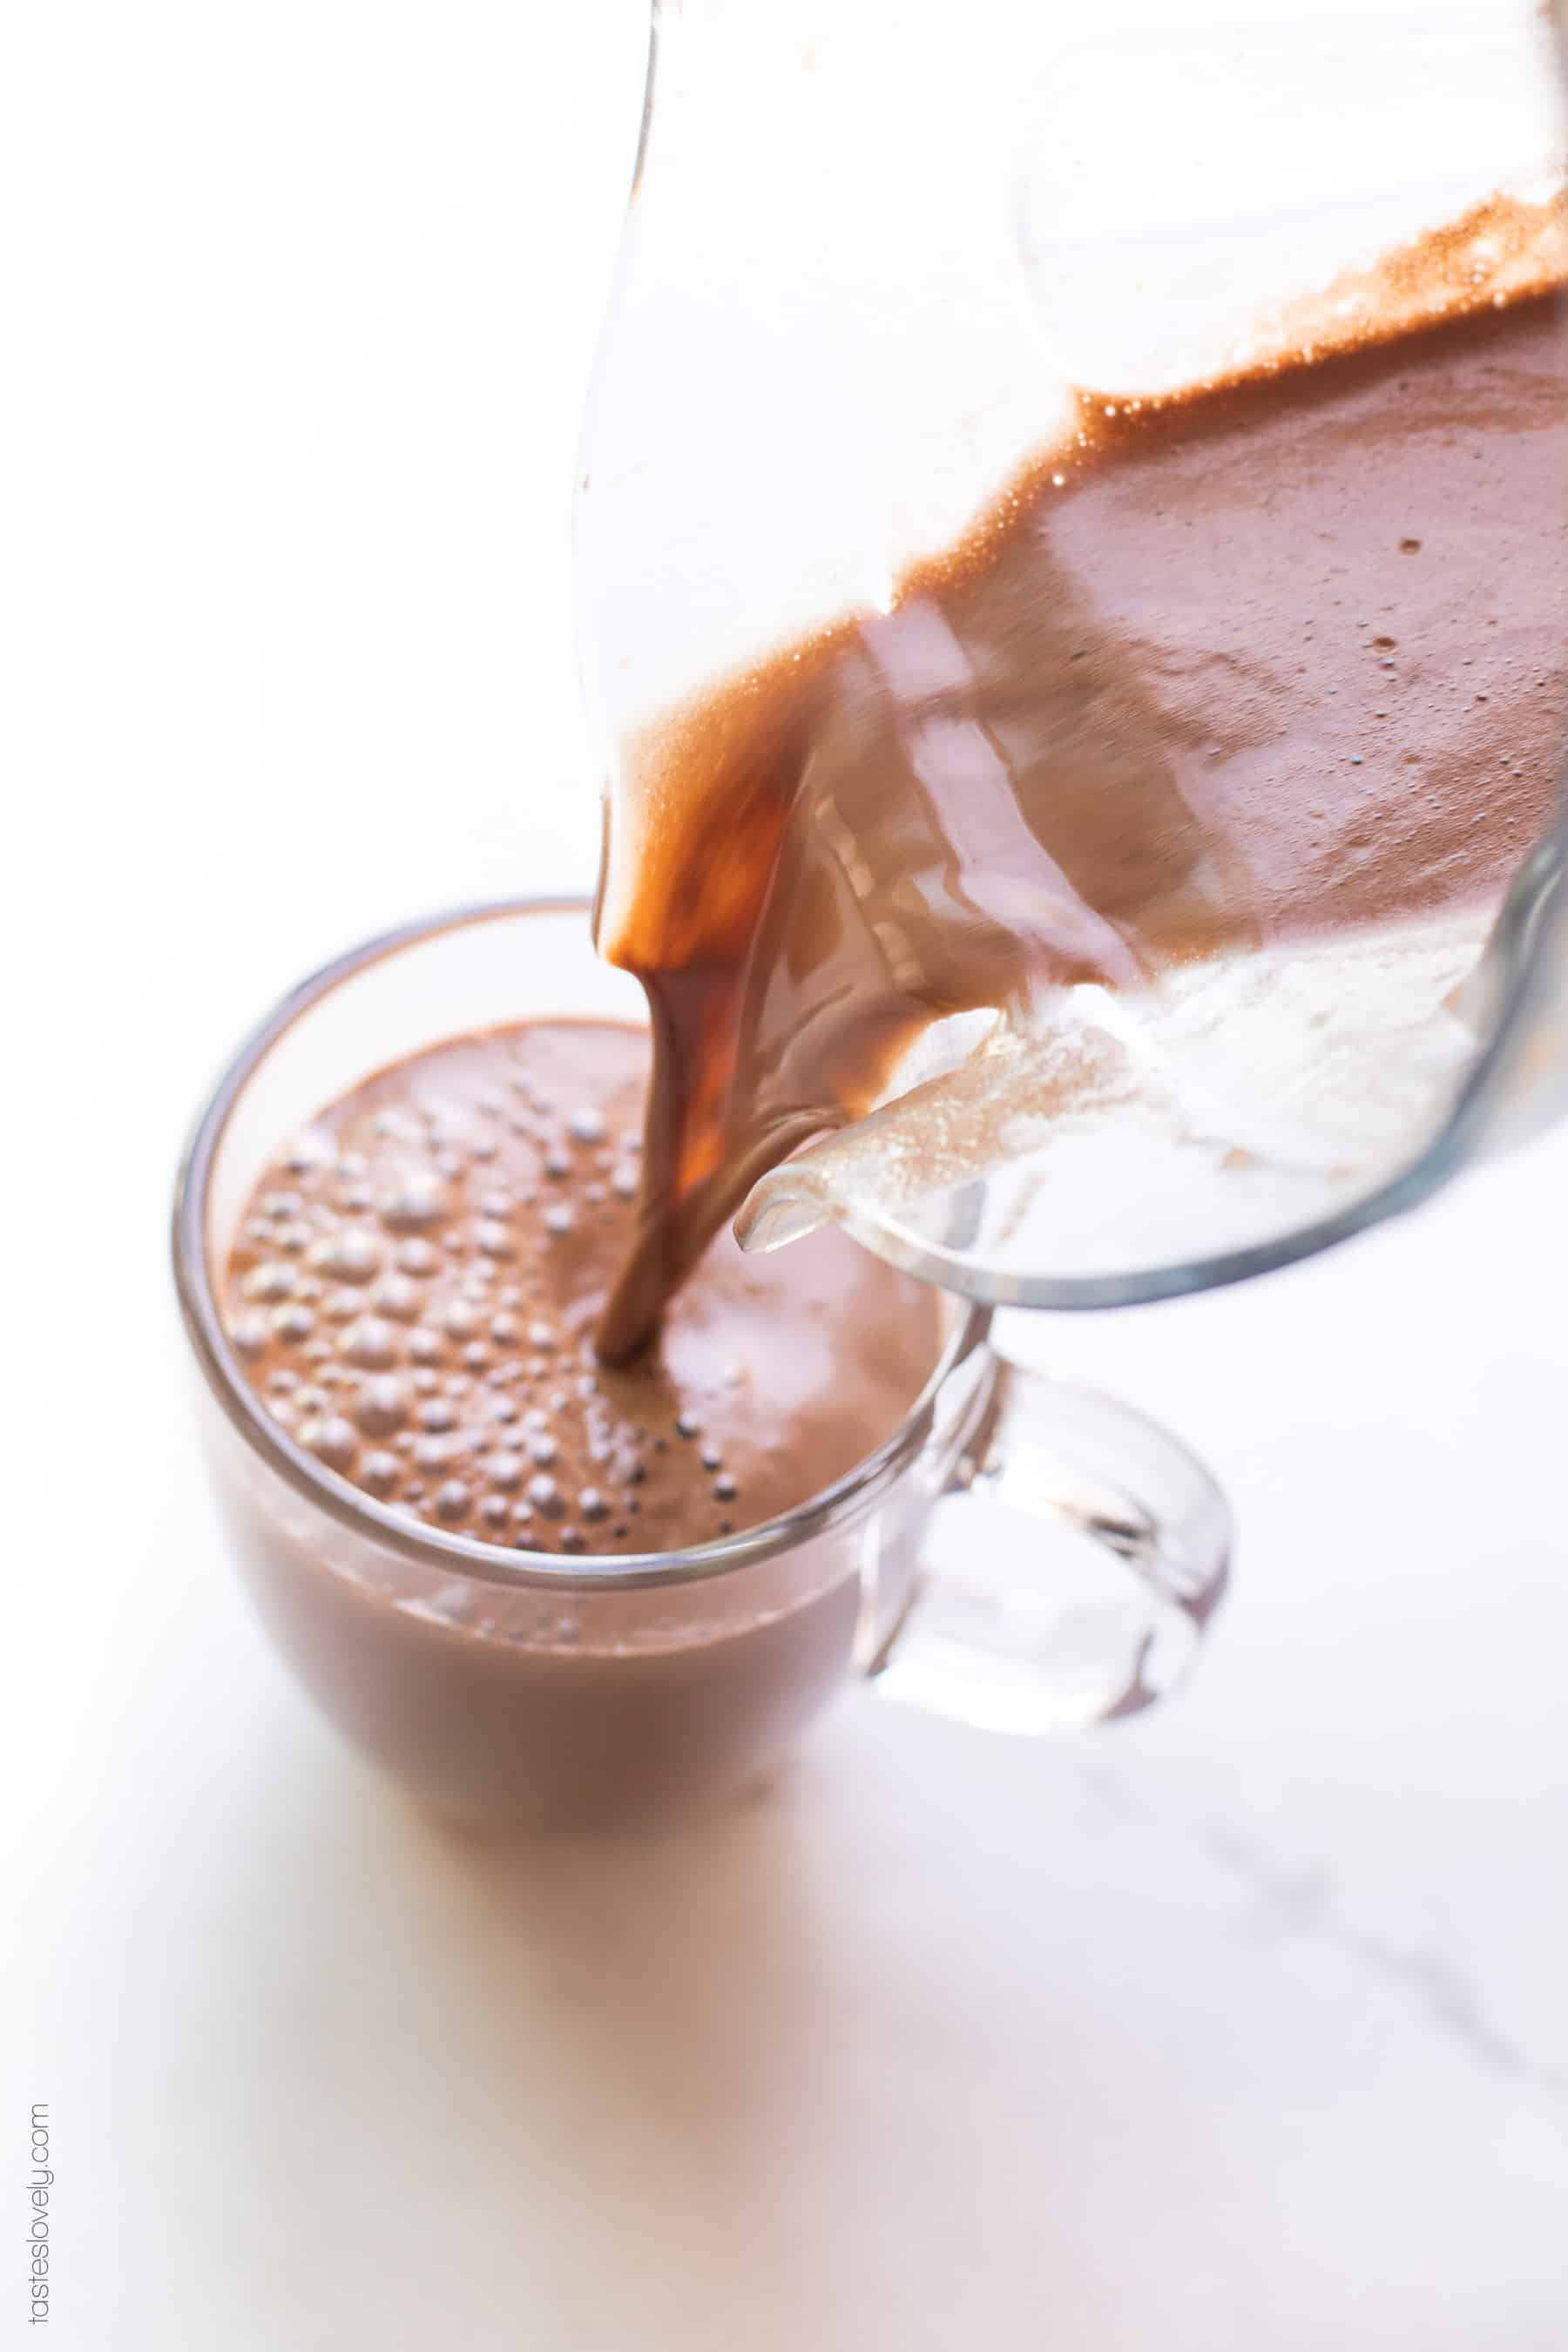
1239	2026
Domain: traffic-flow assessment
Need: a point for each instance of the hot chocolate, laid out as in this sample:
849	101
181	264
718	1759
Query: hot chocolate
411	1292
414	1289
1277	658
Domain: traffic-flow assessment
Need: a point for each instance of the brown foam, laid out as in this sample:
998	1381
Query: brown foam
415	1287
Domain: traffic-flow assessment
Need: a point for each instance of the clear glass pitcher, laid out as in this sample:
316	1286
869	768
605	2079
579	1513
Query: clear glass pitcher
878	261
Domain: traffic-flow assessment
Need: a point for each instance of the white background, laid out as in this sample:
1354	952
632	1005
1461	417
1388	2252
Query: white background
1241	2026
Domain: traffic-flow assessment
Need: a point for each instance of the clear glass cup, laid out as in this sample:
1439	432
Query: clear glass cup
1017	1555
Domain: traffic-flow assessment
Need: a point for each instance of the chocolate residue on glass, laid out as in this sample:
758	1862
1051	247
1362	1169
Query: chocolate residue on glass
1279	656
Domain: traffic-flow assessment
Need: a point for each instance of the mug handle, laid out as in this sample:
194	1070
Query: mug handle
1068	1571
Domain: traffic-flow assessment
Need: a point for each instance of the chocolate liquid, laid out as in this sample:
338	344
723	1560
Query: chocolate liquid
1280	657
412	1293
416	1283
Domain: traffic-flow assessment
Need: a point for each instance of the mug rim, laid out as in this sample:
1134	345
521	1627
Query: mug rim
450	1553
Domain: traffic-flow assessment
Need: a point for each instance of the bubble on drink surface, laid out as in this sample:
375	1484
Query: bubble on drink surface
504	1409
542	1337
340	1305
557	1163
504	1468
293	1323
585	1125
349	1254
332	1440
571	1540
397	1126
459	1320
295	1239
494	1239
688	1425
624	1183
416	1201
436	1414
495	1511
425	1381
590	1504
435	1452
370	1343
379	1473
282	1380
250	1334
267	1283
396	1296
281	1206
451	1499
725	1489
541	1448
382	1406
419	1257
558	1220
711	1458
311	1399
309	1154
505	1331
545	1495
498	1204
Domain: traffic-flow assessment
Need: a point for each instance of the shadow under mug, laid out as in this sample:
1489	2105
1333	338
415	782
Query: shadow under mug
1017	1555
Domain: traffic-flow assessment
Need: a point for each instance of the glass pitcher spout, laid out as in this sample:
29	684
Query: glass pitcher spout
1069	566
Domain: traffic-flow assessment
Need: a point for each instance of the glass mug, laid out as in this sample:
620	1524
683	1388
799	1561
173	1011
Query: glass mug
1017	1555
